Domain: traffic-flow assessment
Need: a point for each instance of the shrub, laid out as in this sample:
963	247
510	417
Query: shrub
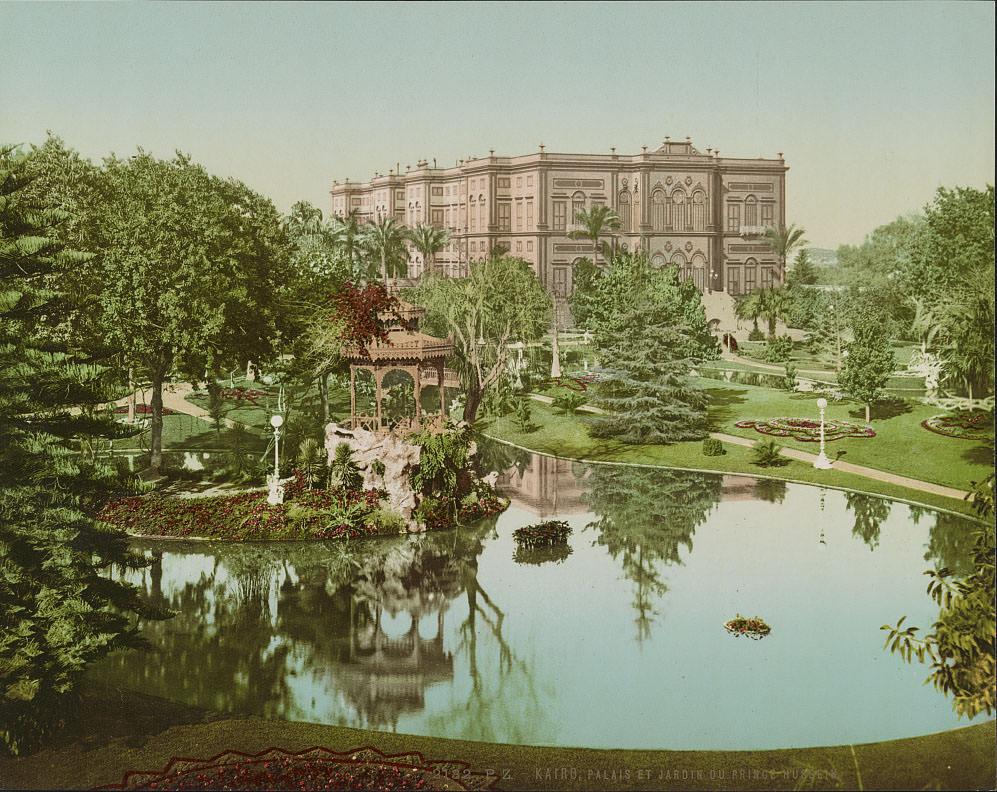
765	453
312	462
343	470
712	447
545	534
789	380
755	334
386	520
778	349
567	403
524	416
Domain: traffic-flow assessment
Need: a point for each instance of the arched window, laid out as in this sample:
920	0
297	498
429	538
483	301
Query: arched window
699	271
577	204
658	210
751	211
657	261
625	211
679	216
679	261
699	211
750	275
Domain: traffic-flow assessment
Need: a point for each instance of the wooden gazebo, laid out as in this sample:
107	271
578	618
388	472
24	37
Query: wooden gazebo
422	356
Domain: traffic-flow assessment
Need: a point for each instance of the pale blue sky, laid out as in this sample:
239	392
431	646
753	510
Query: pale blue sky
873	104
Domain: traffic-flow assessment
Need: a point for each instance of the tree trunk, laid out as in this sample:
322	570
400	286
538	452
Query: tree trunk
969	389
867	411
772	326
323	389
131	395
156	439
472	403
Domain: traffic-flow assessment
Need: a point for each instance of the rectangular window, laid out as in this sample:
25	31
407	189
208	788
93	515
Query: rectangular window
766	277
560	215
767	215
503	216
529	181
503	181
529	215
519	215
355	201
399	195
733	217
437	217
519	247
529	245
474	218
734	281
749	280
519	181
438	191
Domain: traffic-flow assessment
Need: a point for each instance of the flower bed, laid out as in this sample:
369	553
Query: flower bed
545	534
964	425
241	394
305	514
436	512
143	409
753	628
806	430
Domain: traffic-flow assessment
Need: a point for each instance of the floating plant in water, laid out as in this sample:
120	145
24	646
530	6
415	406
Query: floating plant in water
753	628
545	534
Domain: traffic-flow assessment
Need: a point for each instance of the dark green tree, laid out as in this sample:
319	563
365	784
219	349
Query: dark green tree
646	390
870	360
804	271
57	612
584	293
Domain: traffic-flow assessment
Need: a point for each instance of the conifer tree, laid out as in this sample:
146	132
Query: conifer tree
644	354
57	612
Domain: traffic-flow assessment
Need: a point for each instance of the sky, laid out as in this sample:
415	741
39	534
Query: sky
874	105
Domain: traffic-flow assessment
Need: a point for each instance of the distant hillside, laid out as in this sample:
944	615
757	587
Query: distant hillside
823	257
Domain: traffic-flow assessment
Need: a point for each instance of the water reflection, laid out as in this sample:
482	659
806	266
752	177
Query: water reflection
456	634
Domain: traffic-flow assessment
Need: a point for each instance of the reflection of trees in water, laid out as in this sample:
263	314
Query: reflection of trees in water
644	515
950	543
770	490
499	457
503	704
870	512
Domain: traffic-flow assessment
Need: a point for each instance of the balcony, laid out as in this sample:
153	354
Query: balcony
752	230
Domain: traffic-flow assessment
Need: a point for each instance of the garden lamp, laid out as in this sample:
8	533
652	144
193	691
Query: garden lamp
276	490
822	462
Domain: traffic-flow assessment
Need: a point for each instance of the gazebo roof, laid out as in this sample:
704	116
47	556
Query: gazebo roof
406	310
404	345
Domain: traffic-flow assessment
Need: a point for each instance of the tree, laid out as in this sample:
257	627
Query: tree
644	352
966	330
190	270
750	306
869	362
776	304
58	612
384	241
804	271
599	221
347	231
783	241
429	240
499	302
584	292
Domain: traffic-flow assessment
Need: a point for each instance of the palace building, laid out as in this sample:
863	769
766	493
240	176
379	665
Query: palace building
700	211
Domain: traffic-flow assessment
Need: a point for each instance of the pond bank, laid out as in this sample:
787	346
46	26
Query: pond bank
126	734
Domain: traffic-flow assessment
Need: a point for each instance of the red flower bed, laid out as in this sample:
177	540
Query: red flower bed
143	409
314	769
806	430
305	514
964	425
545	534
753	628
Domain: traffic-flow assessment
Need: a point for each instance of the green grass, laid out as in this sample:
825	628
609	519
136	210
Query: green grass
566	436
125	731
189	433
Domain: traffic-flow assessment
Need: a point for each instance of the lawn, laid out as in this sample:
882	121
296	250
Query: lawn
566	436
187	432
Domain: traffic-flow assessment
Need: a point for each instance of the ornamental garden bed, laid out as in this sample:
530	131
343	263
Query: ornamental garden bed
963	425
806	430
753	628
545	534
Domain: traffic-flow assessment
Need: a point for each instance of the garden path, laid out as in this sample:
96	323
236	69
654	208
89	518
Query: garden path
769	367
175	398
850	467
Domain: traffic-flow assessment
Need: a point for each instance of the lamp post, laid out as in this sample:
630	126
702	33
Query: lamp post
276	495
837	334
822	462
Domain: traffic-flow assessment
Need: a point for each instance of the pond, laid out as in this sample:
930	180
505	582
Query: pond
618	643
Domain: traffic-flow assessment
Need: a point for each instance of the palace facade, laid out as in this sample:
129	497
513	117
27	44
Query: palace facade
699	211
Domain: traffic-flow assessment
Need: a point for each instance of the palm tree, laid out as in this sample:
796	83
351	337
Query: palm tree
783	241
598	221
750	306
303	220
385	240
776	304
346	231
429	240
966	329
